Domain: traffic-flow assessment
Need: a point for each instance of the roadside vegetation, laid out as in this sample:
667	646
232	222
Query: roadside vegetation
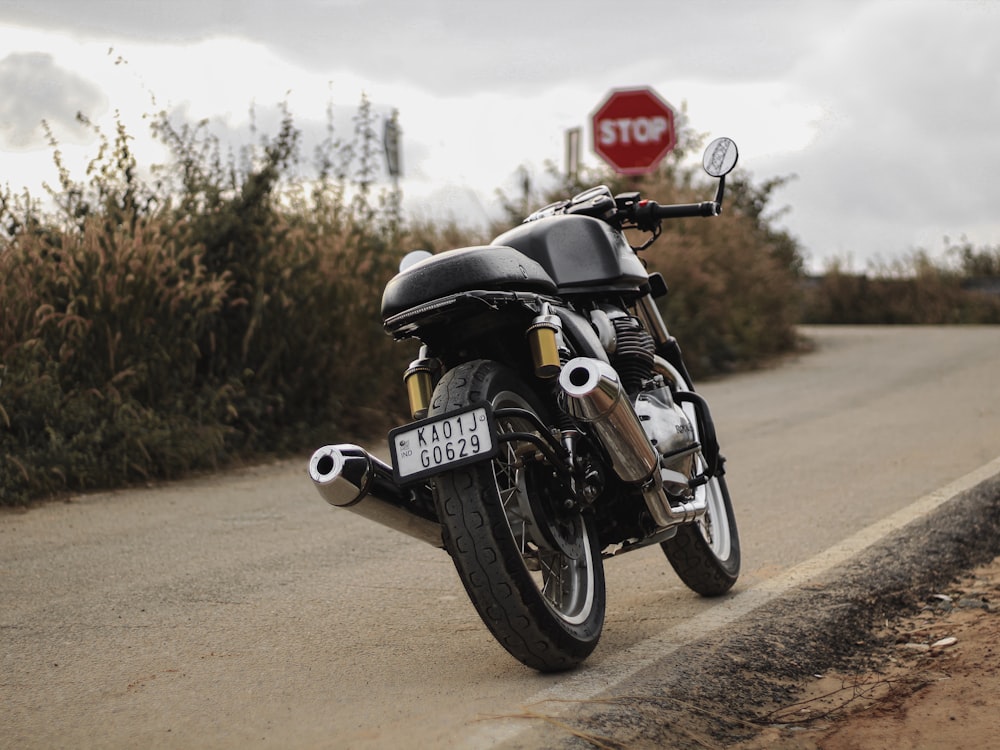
226	307
963	287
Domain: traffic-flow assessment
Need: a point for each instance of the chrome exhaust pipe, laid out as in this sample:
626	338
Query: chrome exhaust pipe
368	489
595	395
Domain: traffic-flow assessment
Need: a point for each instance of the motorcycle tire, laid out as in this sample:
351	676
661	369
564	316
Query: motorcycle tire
706	554
532	569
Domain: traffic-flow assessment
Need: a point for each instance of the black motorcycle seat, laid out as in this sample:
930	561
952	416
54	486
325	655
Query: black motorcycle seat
488	267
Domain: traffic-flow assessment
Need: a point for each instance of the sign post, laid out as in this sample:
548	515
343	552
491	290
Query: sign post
390	140
633	130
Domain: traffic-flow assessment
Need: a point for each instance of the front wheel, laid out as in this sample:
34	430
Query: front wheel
706	554
531	567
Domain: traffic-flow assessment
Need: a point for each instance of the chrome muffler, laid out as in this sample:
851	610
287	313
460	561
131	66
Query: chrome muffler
596	396
350	477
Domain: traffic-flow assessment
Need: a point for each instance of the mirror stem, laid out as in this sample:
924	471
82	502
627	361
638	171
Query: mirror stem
720	193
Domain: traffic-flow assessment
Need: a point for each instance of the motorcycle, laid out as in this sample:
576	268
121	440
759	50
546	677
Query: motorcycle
555	423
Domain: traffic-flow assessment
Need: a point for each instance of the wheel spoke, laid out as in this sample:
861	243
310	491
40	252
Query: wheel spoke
564	583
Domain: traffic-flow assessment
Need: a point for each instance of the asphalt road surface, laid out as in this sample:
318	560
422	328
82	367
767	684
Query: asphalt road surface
241	610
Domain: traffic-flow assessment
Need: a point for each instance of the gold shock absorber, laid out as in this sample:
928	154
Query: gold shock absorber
545	338
419	381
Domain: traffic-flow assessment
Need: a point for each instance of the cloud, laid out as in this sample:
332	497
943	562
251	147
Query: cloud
456	47
884	110
903	152
32	89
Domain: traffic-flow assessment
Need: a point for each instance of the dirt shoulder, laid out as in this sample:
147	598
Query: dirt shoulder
934	684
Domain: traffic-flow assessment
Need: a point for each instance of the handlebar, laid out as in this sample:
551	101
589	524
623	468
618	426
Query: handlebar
628	210
653	210
646	215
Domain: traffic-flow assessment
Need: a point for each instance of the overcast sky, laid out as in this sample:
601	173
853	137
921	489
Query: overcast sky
886	111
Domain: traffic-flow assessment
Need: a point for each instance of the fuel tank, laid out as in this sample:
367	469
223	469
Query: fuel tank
578	252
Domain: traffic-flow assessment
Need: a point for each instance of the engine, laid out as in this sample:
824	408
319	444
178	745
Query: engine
631	350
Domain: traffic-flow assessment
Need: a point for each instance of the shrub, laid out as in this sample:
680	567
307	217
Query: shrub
914	290
226	311
98	359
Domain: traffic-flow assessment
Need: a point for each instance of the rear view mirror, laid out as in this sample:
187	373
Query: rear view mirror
720	157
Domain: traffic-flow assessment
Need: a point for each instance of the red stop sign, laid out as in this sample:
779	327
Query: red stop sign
634	130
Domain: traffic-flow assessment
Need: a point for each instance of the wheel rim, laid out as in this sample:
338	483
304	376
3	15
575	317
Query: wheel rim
714	525
565	581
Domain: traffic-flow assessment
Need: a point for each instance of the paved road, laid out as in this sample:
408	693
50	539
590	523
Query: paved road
240	609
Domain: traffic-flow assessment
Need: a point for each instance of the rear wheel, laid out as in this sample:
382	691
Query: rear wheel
706	554
531	568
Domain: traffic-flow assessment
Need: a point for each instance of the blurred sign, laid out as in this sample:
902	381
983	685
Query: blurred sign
633	130
572	153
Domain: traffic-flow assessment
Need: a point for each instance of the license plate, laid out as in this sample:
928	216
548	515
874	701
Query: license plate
430	446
